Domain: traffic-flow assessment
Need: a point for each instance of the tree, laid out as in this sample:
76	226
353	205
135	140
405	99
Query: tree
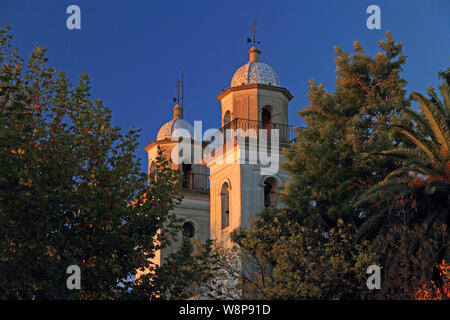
429	291
418	198
423	178
409	256
431	137
72	191
330	168
445	75
282	259
327	167
188	273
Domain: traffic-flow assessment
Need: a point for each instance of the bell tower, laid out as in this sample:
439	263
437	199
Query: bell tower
254	102
193	210
255	95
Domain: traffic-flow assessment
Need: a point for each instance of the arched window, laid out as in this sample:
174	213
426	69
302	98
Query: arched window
152	171
187	174
226	118
266	118
225	205
188	230
269	193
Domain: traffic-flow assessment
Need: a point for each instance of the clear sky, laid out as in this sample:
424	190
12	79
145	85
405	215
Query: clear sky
133	50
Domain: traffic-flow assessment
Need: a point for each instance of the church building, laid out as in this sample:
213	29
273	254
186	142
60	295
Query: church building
231	187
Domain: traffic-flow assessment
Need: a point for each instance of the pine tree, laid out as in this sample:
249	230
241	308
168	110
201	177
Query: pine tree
328	166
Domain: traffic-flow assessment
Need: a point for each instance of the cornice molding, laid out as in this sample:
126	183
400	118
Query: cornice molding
284	91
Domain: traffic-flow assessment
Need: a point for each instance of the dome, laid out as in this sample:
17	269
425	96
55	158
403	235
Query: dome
165	133
255	71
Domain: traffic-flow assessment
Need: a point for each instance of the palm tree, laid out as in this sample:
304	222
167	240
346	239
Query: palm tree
431	137
411	205
424	170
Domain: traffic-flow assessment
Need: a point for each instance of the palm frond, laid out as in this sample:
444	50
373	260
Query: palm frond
392	186
429	160
418	118
406	153
432	115
425	146
445	93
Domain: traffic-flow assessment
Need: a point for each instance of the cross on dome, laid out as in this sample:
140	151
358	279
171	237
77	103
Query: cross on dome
255	71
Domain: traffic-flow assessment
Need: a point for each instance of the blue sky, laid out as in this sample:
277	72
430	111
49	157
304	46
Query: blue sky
133	50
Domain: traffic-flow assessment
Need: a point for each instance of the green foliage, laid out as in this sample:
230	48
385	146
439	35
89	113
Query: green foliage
187	273
417	198
430	135
328	166
408	255
342	184
445	75
72	191
419	189
285	260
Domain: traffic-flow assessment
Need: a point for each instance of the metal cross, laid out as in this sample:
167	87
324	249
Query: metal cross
178	89
255	23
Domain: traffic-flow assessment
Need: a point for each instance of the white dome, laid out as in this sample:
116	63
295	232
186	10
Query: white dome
165	133
177	122
255	72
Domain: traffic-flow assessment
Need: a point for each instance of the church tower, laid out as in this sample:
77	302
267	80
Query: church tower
239	189
194	208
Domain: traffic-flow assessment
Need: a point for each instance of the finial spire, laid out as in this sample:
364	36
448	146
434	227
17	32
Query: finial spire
178	90
178	84
254	51
182	83
255	23
178	109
